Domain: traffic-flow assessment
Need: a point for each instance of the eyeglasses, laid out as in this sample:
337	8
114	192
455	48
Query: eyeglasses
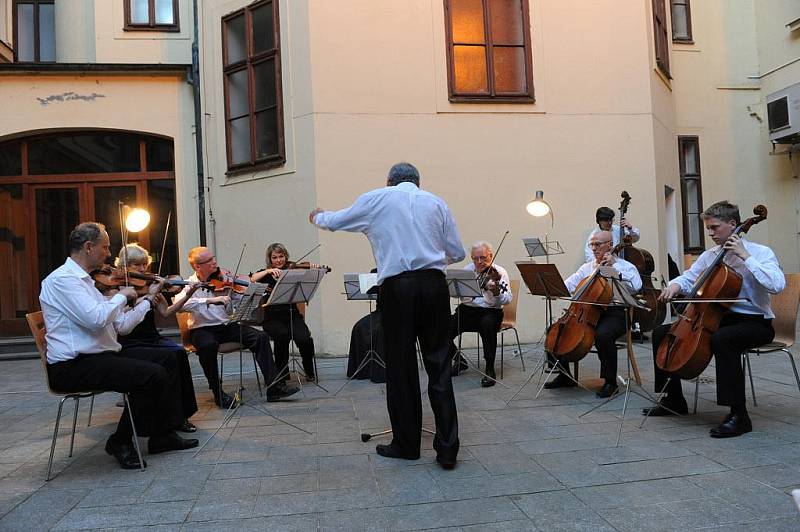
599	244
212	258
481	257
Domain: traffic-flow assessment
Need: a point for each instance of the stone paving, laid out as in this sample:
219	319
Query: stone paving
530	465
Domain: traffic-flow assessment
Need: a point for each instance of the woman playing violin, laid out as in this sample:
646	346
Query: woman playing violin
137	260
280	321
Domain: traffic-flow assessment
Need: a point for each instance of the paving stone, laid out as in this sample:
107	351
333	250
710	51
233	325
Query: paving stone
709	511
638	493
548	509
747	493
665	468
29	515
130	515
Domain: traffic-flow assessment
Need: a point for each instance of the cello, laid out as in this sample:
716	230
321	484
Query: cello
643	260
686	349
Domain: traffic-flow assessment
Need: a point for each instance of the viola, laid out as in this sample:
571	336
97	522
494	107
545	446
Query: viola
686	349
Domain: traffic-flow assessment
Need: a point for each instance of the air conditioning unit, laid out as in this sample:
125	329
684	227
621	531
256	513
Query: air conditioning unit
783	115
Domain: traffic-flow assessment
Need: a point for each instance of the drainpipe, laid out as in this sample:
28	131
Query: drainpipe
198	129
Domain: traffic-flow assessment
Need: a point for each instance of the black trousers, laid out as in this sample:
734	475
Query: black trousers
737	333
280	326
610	326
149	376
416	304
185	383
484	321
207	339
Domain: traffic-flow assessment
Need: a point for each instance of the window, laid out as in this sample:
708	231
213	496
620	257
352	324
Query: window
489	51
34	31
691	194
252	79
681	22
660	32
155	15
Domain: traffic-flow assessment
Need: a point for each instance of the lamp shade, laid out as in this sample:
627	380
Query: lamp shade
538	207
136	220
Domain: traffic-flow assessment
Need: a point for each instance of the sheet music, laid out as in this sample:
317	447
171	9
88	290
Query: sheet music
367	281
352	288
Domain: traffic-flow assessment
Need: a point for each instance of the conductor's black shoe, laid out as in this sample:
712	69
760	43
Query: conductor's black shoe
734	425
124	452
489	379
607	390
187	426
392	451
280	390
170	442
663	409
446	463
226	402
561	381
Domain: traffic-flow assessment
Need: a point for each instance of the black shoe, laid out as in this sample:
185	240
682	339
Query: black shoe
661	409
392	451
279	390
446	463
561	381
170	442
124	452
187	426
226	402
607	390
733	425
489	380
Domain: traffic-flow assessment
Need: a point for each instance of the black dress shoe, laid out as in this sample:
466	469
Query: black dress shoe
124	452
489	380
734	425
170	442
561	381
279	390
392	451
446	463
187	426
226	402
663	409
607	390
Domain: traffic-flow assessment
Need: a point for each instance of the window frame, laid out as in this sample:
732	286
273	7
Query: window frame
661	36
689	39
683	141
248	64
151	25
492	97
36	30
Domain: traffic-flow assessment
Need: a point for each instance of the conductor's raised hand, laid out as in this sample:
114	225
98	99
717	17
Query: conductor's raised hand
313	213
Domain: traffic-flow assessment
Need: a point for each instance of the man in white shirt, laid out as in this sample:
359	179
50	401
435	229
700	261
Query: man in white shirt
210	325
612	320
414	238
605	222
482	314
744	326
83	353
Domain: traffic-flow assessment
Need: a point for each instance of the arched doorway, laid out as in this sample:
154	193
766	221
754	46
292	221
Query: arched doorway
51	182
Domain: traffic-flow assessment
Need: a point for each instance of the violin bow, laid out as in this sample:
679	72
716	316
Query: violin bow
123	237
310	251
164	243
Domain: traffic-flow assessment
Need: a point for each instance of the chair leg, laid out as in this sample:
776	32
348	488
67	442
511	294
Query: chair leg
135	435
74	423
316	371
502	349
258	379
519	348
91	409
750	374
221	376
696	392
794	367
55	435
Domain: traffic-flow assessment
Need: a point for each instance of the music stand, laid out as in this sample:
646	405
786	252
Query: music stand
536	248
363	287
248	303
292	287
463	283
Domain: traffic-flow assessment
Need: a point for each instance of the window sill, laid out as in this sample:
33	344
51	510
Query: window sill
258	167
159	29
489	99
682	41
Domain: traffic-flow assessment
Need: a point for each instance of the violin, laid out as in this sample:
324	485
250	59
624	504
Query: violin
491	274
305	266
224	280
686	349
108	278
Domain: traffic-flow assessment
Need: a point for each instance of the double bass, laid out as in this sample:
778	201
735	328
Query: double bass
686	349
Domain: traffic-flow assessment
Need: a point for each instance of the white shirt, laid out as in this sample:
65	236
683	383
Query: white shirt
628	271
633	232
78	319
202	314
761	276
489	300
408	228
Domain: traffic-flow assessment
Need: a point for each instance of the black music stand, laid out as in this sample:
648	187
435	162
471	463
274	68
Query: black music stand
363	287
463	284
248	304
292	287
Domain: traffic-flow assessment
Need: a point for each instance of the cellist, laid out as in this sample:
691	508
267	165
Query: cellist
744	326
612	322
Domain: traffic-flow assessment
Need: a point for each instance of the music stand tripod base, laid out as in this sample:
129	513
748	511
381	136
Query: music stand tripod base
366	436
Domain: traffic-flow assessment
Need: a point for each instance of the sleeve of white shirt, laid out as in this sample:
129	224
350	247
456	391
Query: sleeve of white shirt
767	271
687	279
70	295
192	303
453	248
125	322
629	274
573	280
354	218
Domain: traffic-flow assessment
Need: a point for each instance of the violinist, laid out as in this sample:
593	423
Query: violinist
210	326
482	314
280	320
83	352
145	335
744	326
612	320
605	222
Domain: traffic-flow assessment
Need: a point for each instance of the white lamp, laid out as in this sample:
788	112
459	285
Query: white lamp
136	219
539	207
